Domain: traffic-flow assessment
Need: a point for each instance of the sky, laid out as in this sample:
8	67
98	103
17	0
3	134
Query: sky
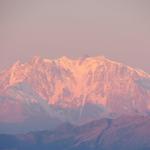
117	29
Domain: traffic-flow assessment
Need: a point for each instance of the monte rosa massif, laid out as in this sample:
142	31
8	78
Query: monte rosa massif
43	93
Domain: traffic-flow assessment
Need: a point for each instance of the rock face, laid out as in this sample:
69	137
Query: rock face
74	90
123	133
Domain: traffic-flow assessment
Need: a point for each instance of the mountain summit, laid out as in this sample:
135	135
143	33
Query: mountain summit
75	90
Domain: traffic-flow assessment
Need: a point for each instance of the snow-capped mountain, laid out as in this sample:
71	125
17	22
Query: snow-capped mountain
76	90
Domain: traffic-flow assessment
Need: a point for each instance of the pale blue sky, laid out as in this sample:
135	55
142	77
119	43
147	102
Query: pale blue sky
118	29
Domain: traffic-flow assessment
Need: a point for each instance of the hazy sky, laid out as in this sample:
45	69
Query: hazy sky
118	29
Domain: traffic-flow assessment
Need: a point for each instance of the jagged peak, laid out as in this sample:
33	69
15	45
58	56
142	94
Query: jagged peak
142	73
46	60
83	58
16	65
18	62
76	62
64	59
36	59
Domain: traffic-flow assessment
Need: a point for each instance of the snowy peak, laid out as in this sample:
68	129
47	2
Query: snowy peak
90	63
75	68
88	87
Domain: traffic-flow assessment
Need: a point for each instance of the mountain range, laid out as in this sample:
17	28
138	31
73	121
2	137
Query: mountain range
44	93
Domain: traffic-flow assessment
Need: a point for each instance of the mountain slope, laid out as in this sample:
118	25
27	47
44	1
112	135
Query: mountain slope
124	133
74	90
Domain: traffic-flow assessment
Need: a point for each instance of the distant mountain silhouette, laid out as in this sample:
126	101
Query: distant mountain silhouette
123	133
